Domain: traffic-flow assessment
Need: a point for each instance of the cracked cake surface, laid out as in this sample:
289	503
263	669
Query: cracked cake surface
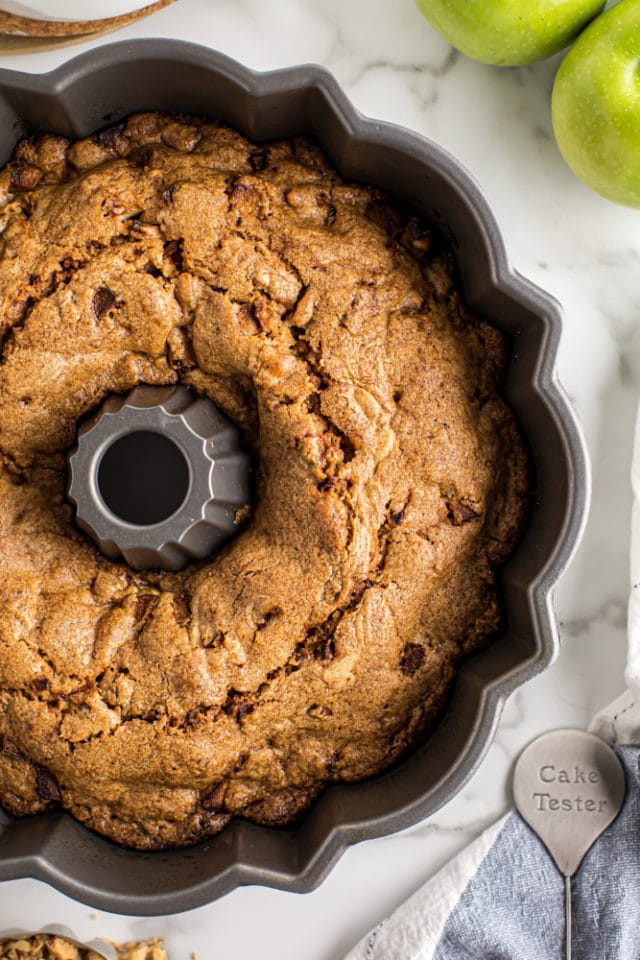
391	479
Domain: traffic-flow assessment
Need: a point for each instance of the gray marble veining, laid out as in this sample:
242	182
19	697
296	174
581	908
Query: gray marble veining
583	250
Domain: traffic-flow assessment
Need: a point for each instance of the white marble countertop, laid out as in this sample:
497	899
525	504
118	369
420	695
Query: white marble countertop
583	250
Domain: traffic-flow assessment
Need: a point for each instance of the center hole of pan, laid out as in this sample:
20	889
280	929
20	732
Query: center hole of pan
143	477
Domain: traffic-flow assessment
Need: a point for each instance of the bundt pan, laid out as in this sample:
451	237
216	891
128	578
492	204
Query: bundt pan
99	88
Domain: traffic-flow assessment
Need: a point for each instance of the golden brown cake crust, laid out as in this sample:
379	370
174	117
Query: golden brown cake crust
392	482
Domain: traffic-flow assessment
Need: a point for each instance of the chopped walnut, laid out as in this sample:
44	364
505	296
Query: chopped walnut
43	946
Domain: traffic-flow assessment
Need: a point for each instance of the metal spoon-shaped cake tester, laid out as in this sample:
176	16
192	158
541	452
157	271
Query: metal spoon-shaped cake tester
569	786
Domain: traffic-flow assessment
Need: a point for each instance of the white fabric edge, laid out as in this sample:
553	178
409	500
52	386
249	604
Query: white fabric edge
633	630
415	929
619	722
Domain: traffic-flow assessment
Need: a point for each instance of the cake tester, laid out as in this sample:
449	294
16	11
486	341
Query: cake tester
568	786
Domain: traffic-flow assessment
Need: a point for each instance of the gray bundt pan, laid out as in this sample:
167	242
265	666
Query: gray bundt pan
97	89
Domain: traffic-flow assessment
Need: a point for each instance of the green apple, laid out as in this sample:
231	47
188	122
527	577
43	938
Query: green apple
596	105
509	33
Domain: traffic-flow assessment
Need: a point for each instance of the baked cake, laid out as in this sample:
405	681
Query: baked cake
391	479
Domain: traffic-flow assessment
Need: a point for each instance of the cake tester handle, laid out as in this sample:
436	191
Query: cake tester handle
568	786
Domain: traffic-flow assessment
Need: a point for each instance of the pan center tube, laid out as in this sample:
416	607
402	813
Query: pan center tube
157	477
143	477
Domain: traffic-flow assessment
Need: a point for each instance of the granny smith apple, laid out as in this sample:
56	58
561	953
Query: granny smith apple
509	33
596	104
